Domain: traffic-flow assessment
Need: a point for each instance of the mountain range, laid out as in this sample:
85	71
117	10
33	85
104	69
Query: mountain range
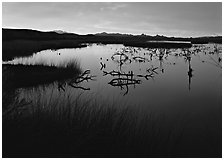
28	34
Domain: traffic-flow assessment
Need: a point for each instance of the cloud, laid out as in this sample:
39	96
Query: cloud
113	7
149	18
80	14
104	24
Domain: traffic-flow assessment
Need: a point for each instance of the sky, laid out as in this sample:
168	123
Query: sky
185	19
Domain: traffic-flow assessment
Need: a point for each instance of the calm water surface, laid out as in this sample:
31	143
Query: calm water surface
169	80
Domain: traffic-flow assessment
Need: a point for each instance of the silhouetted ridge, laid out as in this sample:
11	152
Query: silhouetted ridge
13	34
104	37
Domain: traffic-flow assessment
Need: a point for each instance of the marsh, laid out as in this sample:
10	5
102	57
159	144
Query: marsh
137	88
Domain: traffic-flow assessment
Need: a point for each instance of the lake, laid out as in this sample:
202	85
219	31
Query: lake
182	86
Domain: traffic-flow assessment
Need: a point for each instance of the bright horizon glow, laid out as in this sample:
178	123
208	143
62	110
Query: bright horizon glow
172	19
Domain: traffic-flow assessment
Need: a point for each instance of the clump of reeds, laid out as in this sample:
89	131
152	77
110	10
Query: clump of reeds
31	75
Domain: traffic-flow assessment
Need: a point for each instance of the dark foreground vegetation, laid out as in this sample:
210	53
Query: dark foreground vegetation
18	76
22	42
80	130
86	128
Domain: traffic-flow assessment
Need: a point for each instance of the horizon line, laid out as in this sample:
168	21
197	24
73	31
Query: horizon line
110	33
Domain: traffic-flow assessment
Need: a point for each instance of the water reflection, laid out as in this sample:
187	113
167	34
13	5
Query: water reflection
190	70
122	79
76	81
128	55
128	68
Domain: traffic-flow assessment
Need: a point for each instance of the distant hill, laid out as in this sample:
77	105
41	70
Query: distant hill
112	34
204	39
13	34
24	42
27	34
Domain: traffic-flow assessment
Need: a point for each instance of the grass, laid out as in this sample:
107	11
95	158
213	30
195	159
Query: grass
59	125
32	75
66	127
19	48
